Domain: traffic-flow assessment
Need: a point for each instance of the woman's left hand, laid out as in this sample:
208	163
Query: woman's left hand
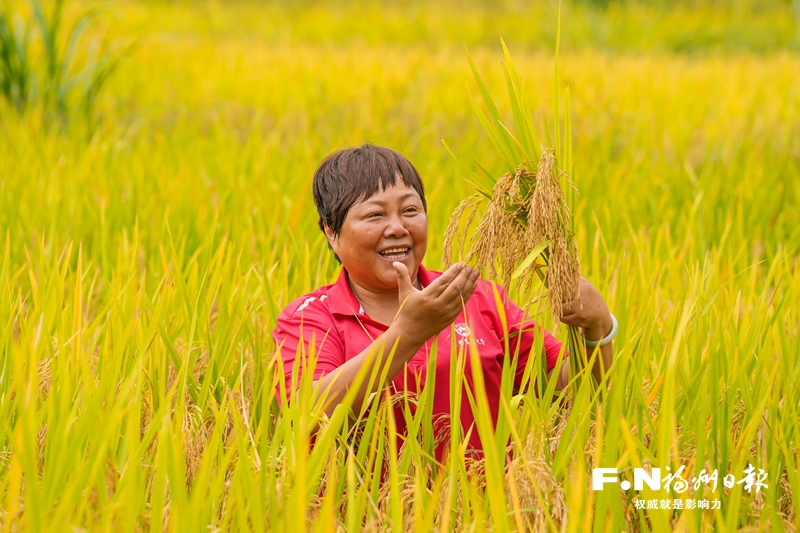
590	312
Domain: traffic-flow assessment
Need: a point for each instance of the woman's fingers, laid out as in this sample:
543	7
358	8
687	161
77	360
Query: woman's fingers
462	287
439	303
573	313
570	320
456	304
588	311
404	285
569	308
441	283
472	284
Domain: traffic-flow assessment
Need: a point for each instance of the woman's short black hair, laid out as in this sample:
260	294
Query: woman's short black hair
352	175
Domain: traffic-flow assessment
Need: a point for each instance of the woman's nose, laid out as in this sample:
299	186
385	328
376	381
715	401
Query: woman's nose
395	227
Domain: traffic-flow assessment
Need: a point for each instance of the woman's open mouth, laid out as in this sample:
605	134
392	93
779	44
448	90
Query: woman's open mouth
395	254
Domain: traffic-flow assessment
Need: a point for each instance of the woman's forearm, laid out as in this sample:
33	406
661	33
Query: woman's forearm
603	361
377	354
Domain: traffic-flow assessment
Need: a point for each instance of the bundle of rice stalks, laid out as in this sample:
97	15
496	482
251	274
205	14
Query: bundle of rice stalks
524	231
527	229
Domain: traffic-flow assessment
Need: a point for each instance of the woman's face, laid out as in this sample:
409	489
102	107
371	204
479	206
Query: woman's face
389	226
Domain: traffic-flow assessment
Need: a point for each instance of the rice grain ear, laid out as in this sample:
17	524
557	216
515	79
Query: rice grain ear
538	492
499	240
548	220
454	238
488	237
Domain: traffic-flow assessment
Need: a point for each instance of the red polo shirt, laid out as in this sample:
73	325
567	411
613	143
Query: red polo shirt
333	317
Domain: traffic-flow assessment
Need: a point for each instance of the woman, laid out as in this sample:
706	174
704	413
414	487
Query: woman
371	205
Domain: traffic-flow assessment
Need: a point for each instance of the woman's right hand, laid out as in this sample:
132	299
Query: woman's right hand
424	313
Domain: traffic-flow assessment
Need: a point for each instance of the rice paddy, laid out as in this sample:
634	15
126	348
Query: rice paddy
149	244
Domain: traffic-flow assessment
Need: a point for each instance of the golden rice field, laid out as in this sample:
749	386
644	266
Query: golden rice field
149	245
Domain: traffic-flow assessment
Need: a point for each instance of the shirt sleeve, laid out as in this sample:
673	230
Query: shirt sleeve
523	332
301	336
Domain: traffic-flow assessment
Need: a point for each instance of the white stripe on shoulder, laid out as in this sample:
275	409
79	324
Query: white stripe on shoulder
305	304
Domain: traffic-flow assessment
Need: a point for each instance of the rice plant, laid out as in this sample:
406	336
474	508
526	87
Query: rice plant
528	215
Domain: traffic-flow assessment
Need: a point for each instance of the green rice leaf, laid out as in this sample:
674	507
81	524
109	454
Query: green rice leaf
531	257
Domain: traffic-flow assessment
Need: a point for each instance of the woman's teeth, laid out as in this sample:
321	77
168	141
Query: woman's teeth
394	253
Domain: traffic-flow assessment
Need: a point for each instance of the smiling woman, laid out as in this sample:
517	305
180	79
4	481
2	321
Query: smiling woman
387	312
373	211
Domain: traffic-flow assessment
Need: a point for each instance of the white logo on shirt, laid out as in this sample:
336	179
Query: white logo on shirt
462	329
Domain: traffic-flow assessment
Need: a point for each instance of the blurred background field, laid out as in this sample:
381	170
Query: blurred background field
182	197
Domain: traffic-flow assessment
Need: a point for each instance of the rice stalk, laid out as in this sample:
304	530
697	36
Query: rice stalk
527	229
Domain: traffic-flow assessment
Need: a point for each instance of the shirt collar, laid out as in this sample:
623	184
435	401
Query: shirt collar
344	302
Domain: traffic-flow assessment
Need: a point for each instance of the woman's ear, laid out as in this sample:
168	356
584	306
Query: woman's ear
329	234
331	240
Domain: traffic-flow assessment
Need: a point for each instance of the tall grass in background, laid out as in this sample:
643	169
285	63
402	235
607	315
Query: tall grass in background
48	62
142	270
